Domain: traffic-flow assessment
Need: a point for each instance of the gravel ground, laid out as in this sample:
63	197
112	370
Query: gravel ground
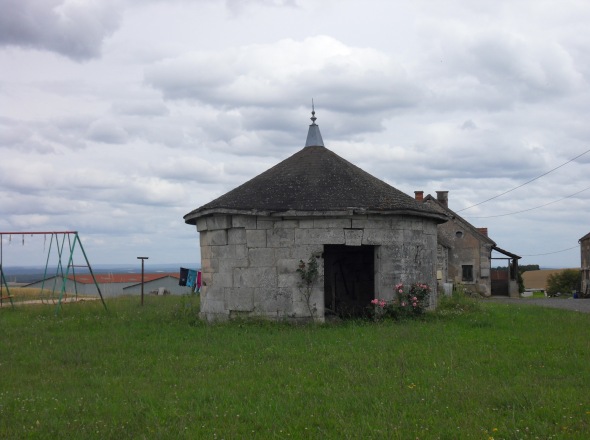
578	305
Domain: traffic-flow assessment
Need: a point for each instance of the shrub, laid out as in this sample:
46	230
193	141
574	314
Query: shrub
309	274
408	302
566	281
459	303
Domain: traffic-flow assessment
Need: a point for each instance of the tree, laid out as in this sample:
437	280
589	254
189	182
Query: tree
526	267
520	282
565	281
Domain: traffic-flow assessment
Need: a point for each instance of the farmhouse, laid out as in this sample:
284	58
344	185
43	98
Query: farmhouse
365	235
465	254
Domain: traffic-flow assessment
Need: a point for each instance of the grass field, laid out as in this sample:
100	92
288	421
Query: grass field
155	372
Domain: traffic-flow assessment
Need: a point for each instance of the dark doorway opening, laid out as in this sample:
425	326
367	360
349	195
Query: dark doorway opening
349	280
500	281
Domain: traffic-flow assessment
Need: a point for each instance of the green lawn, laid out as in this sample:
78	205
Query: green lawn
499	371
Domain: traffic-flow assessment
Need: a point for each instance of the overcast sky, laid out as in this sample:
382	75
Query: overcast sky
117	117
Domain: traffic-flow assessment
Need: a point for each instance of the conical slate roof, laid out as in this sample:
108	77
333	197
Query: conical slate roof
312	181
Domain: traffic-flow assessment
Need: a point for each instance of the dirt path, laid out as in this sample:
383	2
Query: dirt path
6	303
577	305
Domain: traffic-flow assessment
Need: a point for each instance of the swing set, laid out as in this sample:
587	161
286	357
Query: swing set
62	271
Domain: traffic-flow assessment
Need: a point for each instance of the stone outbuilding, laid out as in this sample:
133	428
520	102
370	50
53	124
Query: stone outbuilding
365	235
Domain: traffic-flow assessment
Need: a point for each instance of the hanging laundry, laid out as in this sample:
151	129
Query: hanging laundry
199	282
183	276
191	279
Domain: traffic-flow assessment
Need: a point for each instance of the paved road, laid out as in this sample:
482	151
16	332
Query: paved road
578	305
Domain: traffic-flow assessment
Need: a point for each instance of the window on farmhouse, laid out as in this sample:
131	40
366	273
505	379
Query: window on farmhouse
467	272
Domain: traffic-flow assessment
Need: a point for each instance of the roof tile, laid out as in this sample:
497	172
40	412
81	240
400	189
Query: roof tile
314	179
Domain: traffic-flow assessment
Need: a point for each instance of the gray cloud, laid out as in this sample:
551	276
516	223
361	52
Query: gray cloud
190	169
349	79
253	89
496	69
469	125
141	108
18	136
73	29
107	131
530	71
42	137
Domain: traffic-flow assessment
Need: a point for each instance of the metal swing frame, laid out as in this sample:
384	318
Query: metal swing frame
60	272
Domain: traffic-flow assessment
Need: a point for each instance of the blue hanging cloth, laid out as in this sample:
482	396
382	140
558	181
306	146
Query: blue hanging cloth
191	279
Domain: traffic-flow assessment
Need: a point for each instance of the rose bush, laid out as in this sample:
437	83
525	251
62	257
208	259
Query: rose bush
407	302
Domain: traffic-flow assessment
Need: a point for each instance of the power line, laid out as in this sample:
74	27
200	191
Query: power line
525	183
531	209
549	253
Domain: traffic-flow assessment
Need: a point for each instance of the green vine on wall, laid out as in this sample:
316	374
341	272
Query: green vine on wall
309	274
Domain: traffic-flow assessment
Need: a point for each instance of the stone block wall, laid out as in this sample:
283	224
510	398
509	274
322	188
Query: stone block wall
467	249
249	263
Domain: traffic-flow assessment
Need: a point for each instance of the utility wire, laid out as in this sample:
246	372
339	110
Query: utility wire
549	253
525	183
531	209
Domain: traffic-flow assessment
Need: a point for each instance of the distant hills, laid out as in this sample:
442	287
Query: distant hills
29	274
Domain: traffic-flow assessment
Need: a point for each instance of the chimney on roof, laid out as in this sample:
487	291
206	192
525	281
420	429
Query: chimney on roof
483	231
443	197
419	195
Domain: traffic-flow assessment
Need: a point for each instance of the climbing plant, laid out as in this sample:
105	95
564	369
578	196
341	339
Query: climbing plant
309	274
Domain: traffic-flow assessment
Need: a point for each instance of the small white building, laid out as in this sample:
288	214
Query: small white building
114	284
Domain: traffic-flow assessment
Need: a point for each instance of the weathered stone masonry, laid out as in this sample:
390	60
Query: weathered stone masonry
367	236
249	262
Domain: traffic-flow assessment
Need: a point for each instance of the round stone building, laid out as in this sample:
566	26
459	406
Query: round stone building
365	235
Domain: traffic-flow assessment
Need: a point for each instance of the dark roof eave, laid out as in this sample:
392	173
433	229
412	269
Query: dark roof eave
508	254
191	217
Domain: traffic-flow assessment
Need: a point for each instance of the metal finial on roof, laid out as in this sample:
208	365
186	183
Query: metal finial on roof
314	137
